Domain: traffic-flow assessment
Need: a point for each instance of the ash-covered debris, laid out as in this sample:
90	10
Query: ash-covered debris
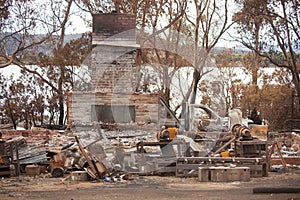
112	153
114	149
89	148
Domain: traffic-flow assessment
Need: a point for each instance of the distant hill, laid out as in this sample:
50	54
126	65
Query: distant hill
11	44
237	50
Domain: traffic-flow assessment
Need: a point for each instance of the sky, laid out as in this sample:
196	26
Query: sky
12	69
79	25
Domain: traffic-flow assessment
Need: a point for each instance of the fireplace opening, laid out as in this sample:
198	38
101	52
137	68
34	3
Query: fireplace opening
113	113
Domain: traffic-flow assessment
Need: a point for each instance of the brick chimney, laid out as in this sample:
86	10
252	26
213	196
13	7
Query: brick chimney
114	55
112	97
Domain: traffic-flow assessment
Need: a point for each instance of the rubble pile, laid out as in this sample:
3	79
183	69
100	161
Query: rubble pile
288	142
36	146
113	153
85	150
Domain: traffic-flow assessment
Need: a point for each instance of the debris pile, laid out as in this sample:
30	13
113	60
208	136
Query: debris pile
113	153
91	151
284	150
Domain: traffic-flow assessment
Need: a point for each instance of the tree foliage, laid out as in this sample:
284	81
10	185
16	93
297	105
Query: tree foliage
22	100
228	66
278	32
20	22
26	28
207	26
272	101
58	70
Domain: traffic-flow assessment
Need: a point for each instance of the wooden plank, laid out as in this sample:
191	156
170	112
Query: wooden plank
219	159
188	166
292	160
90	162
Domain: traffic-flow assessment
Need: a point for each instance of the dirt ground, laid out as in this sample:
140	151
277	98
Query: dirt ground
146	187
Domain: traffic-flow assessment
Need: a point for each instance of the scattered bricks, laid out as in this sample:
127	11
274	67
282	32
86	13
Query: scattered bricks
25	134
32	136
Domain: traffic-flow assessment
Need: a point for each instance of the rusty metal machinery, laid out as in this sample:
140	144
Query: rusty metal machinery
241	131
166	134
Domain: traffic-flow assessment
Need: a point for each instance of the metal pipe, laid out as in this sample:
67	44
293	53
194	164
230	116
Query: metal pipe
224	146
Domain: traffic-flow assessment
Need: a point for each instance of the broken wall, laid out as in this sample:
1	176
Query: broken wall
81	104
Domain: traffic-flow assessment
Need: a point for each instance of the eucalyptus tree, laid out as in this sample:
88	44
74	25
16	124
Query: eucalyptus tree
209	21
272	32
23	27
228	64
250	20
22	100
34	40
58	72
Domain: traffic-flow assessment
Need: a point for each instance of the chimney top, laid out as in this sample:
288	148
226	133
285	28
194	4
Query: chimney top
114	29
